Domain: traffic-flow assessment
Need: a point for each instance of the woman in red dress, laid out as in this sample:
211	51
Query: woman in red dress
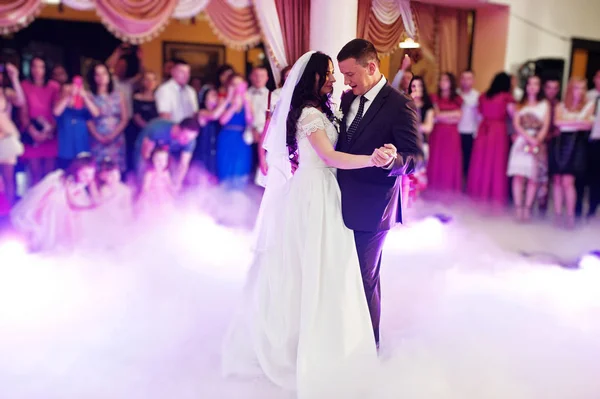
41	145
487	181
444	170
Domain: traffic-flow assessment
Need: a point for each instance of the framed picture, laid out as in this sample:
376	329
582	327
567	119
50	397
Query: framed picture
204	59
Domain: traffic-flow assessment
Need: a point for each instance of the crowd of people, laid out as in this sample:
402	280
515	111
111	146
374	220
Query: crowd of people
89	134
528	138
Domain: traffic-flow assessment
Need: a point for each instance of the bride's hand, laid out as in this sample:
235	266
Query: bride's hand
380	157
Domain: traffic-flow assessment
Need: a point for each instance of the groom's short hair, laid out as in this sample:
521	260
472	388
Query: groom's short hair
360	49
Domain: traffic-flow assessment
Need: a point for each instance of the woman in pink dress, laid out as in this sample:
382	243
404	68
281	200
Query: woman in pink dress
487	181
444	169
41	146
414	184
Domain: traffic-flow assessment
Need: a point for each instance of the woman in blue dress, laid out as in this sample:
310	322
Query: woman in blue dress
210	112
234	151
72	112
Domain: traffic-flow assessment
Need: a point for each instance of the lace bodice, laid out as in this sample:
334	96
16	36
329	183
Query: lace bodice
309	122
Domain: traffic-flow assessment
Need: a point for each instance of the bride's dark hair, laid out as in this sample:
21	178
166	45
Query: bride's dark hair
308	94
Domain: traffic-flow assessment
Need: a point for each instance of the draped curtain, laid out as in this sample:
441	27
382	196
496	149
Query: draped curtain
135	20
237	27
294	18
442	33
266	13
383	22
187	9
17	14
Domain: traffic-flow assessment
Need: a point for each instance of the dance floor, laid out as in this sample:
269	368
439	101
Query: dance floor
474	308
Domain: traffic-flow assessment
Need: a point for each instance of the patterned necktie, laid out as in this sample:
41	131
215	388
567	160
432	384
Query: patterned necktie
357	119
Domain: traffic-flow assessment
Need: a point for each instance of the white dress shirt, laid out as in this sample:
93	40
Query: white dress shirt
469	119
370	96
259	98
179	101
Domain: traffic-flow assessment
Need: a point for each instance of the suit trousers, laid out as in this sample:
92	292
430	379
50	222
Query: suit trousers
591	180
369	246
594	175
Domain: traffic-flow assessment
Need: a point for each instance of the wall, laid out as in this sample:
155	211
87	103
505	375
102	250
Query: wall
562	18
489	44
176	31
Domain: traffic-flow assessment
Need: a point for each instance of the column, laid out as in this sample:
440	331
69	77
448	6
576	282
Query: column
333	24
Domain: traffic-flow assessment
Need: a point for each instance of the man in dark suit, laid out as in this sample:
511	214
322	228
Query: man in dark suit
374	115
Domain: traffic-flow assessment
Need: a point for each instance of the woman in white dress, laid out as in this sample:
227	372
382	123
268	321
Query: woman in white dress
10	143
305	322
526	162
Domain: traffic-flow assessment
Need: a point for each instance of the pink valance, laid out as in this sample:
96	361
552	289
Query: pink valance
17	14
135	21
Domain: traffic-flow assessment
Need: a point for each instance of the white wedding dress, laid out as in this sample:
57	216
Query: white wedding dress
304	322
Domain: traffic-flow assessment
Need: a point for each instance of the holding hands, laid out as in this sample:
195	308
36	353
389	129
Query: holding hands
384	156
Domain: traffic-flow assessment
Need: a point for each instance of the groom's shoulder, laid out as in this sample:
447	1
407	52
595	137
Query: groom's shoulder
398	97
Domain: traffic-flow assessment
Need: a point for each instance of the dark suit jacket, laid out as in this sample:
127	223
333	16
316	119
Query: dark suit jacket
371	199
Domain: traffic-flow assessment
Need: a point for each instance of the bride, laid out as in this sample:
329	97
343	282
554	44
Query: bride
304	322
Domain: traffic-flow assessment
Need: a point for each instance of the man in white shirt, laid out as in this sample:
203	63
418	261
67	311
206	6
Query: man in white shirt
259	98
594	149
469	120
176	99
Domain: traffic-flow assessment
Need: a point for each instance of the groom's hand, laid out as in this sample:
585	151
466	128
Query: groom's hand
381	157
392	152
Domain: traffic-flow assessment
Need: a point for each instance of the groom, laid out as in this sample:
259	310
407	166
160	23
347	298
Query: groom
374	115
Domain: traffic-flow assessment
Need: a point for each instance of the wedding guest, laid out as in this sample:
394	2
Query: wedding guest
525	165
106	130
444	168
224	73
552	95
593	154
10	143
125	80
179	138
41	146
574	117
276	93
166	70
234	154
196	84
157	196
73	111
59	75
487	181
261	175
144	111
425	111
115	198
176	99
260	98
469	120
259	95
50	213
206	150
404	76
